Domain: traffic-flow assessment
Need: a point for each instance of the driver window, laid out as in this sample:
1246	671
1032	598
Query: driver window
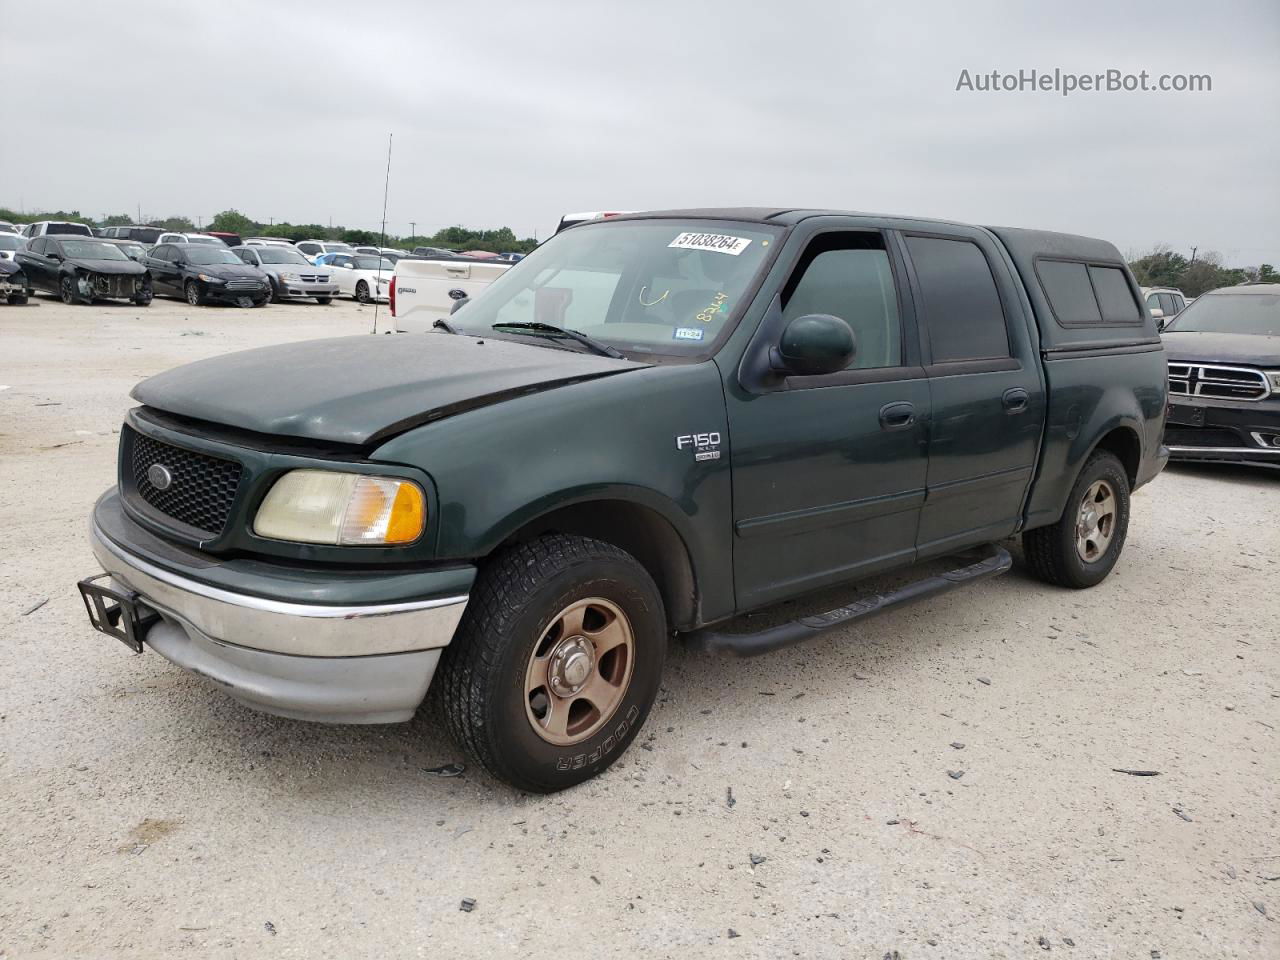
849	276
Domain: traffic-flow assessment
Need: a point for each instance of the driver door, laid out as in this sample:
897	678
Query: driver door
829	471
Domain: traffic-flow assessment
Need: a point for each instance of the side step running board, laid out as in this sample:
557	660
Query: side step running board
797	631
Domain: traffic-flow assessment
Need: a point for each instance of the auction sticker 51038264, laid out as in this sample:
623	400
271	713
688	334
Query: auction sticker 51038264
717	242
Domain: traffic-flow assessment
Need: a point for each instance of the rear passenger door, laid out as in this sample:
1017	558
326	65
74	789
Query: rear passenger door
985	387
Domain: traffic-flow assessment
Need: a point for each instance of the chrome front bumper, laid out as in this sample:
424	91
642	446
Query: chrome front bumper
349	664
301	289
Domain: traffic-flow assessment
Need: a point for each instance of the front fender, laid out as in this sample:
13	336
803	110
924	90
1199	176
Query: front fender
501	467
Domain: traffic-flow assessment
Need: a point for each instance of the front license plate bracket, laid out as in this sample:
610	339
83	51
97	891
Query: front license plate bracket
117	613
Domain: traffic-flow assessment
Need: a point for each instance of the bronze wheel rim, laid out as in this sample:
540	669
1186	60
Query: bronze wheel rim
1096	521
579	671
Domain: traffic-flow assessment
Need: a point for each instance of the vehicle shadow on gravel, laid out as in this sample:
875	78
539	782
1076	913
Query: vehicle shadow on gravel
1228	472
417	757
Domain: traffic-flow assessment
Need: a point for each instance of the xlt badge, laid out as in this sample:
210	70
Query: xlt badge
706	446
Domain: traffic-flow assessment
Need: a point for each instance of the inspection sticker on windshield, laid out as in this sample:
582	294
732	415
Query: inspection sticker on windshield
716	242
688	333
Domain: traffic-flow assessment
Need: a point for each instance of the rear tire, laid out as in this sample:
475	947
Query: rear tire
558	610
1084	545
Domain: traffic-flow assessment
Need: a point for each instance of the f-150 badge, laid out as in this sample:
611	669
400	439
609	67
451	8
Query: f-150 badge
706	446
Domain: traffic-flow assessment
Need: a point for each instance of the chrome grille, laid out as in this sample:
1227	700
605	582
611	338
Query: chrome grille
1217	381
313	277
244	284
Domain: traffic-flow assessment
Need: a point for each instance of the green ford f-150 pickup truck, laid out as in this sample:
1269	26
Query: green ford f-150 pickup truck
649	426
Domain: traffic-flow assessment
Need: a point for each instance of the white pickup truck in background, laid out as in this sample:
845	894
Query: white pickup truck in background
424	291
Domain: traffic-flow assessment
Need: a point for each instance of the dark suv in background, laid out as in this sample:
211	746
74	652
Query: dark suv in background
1224	376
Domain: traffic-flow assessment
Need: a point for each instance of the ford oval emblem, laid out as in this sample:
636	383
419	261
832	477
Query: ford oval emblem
159	476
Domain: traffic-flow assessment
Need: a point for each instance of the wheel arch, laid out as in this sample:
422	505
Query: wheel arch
641	530
1124	442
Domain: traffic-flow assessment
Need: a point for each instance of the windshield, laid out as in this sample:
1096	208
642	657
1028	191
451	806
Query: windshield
643	286
132	250
1255	313
281	255
375	263
201	255
206	240
337	248
92	250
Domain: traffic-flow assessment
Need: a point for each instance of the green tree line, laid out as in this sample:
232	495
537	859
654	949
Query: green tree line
1162	267
458	237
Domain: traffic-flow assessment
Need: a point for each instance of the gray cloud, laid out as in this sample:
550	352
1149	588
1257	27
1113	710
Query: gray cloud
512	114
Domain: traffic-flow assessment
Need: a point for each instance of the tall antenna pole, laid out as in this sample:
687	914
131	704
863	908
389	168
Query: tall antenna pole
386	187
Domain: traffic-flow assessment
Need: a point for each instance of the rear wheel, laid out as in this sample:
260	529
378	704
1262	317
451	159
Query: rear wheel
195	296
1084	545
556	663
362	292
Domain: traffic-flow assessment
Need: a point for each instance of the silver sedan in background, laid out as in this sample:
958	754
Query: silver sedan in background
292	275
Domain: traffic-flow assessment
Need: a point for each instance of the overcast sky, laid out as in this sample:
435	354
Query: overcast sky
514	113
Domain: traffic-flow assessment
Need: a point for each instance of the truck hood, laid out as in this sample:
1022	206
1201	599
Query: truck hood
362	390
1251	350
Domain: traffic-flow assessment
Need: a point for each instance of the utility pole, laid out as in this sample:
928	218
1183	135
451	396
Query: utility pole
413	229
1193	255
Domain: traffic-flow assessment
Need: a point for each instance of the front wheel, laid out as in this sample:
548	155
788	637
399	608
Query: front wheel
194	295
67	290
556	663
362	292
1083	546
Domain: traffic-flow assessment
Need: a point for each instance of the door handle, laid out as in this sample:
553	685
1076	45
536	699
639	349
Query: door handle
1015	400
897	416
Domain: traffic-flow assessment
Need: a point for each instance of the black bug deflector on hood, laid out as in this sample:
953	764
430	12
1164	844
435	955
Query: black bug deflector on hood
362	390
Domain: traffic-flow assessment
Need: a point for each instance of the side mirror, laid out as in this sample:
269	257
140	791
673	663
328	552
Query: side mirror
1157	313
459	303
813	345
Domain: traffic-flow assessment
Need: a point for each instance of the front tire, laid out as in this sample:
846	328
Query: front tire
362	292
67	290
556	663
1084	545
195	297
273	292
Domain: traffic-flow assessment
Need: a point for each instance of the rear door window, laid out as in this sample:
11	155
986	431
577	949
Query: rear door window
961	304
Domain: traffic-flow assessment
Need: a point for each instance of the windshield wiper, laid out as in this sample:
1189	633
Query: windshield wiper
443	324
549	329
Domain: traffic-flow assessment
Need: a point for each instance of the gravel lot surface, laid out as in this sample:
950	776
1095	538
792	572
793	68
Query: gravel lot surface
145	814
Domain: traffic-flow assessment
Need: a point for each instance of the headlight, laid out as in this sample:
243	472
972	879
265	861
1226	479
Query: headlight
208	279
1273	376
289	277
343	509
